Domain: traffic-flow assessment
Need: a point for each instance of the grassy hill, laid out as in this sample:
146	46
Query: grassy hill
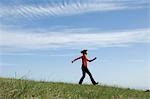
26	89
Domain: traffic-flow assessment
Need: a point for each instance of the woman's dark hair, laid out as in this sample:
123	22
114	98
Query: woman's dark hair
84	51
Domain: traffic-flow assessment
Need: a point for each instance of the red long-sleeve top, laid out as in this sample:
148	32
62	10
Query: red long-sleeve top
84	60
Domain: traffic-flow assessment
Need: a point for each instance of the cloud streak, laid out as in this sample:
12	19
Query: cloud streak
21	40
66	9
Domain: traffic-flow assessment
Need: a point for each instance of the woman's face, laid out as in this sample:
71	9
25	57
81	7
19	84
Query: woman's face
86	52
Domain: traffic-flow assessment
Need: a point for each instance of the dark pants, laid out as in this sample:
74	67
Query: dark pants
84	71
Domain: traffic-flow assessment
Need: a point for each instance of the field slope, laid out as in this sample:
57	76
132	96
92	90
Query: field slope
26	89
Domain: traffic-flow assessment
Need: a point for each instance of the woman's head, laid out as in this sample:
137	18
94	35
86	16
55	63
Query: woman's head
85	51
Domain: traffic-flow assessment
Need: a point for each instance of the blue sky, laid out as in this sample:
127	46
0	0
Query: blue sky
39	38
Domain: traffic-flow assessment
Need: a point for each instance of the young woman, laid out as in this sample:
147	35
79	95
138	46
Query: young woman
84	66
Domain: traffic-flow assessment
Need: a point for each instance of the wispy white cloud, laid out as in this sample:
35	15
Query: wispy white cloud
16	54
6	64
31	54
66	9
21	40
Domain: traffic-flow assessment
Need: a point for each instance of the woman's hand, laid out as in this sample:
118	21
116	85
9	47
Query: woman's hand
95	58
72	61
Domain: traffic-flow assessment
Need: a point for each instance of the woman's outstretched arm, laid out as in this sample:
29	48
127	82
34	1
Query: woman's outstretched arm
92	59
77	59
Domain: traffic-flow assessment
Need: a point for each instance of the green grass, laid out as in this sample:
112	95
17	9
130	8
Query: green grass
26	89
